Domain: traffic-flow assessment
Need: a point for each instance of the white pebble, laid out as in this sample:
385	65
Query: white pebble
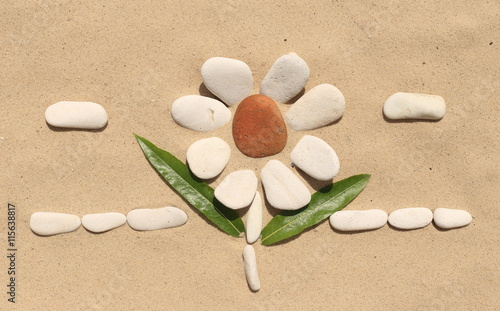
253	219
283	189
228	79
410	218
78	115
103	221
237	189
250	264
200	113
154	219
286	78
414	106
358	220
447	218
208	157
322	105
46	223
316	158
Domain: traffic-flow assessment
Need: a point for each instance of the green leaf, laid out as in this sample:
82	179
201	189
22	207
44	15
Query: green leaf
197	193
323	203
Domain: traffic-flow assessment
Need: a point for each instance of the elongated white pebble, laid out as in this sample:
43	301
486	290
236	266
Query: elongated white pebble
447	218
154	219
410	218
358	220
103	221
237	189
47	223
253	219
78	115
250	264
200	113
414	106
316	158
208	157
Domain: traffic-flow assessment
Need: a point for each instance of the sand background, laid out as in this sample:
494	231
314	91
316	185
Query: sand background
137	58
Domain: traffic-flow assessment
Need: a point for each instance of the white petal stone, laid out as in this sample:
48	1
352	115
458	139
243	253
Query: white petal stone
410	218
47	223
145	219
283	189
414	106
103	221
78	115
253	219
208	157
320	106
200	113
447	218
228	79
237	189
316	158
286	78
358	220
250	265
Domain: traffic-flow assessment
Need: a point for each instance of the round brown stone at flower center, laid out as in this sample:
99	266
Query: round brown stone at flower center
258	127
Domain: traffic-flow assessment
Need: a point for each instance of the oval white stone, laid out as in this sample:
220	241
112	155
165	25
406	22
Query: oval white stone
447	218
237	189
200	113
414	106
228	79
78	115
286	78
253	219
283	189
46	223
250	264
358	220
316	158
322	105
154	219
208	157
103	221
410	218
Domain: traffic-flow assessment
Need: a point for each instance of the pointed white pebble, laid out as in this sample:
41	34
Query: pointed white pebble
447	218
200	113
208	157
78	115
410	218
414	106
46	223
145	219
237	189
358	220
250	264
103	221
283	189
286	78
316	158
253	219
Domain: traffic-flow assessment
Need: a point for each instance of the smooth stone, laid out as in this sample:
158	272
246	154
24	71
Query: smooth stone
258	127
253	220
103	221
286	78
78	115
410	218
250	265
200	113
414	106
320	106
237	189
447	218
283	189
316	158
229	79
145	219
208	157
358	220
47	223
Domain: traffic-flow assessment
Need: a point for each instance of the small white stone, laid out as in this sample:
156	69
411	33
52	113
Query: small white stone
237	189
358	220
228	79
410	218
154	219
414	106
253	219
78	115
103	221
250	264
322	105
200	113
316	158
286	78
447	218
283	189
208	157
46	223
